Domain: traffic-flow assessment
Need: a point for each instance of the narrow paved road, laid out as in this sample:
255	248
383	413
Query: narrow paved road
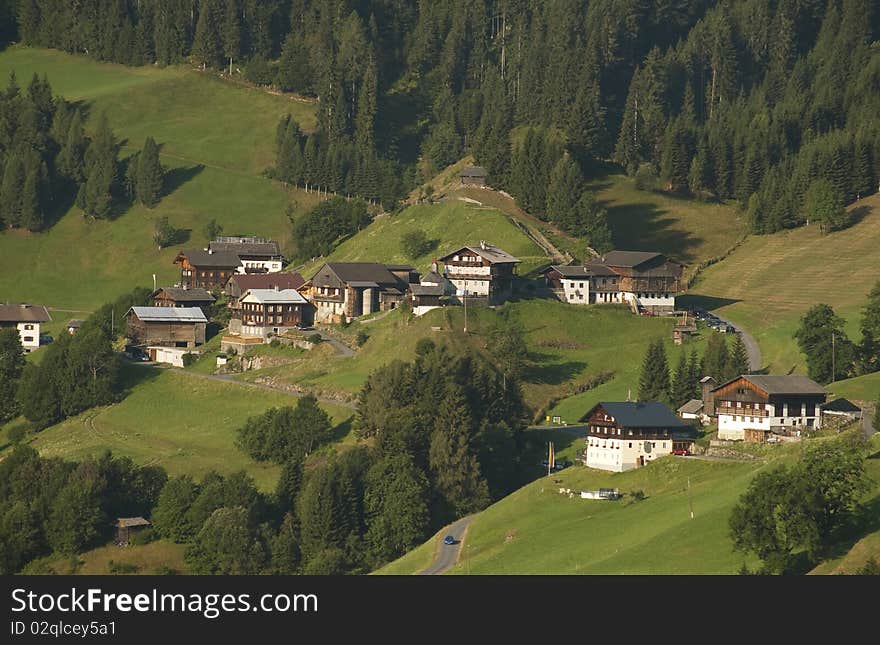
751	344
447	555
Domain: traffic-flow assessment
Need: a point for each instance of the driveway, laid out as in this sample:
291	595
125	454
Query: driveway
752	349
447	554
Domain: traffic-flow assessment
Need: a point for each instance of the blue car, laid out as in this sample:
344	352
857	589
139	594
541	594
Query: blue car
448	540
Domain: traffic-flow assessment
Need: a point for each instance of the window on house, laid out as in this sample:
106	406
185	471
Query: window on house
28	339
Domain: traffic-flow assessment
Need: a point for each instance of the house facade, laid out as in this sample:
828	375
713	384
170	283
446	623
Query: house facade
648	282
432	292
483	271
166	326
626	435
263	313
239	284
183	297
342	291
27	319
213	266
751	407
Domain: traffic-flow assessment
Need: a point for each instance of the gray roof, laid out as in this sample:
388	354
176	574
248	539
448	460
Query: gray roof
840	405
364	284
169	314
246	246
694	406
641	414
433	276
24	313
271	296
474	171
626	258
489	252
179	294
572	271
349	272
202	258
781	384
132	521
400	267
74	323
427	290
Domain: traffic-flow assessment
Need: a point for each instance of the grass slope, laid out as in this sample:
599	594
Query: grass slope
148	559
216	139
860	388
181	422
449	224
771	281
686	229
536	530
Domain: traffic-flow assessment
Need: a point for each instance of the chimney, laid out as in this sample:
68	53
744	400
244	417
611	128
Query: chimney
210	251
434	265
483	244
276	288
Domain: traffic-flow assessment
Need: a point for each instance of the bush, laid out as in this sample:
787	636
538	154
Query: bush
142	537
314	339
17	434
275	343
165	571
415	244
258	71
362	337
189	359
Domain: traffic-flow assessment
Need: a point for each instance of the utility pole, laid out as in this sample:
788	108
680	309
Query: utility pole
833	362
465	306
690	502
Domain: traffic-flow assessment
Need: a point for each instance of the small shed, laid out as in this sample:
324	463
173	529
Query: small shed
693	409
127	527
73	325
473	176
842	408
683	332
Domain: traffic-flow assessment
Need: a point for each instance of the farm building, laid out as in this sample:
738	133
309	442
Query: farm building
342	291
432	292
841	409
128	527
626	435
213	266
692	410
647	281
73	325
170	355
473	176
27	319
240	283
483	272
753	406
256	254
268	312
183	297
166	326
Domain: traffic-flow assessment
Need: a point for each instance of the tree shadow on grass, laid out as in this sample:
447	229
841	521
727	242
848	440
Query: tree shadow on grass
177	177
709	303
553	373
341	431
132	375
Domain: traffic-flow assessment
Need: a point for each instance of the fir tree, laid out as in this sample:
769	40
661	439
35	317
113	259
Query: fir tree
149	175
231	32
71	159
654	382
207	47
738	360
715	357
681	383
11	191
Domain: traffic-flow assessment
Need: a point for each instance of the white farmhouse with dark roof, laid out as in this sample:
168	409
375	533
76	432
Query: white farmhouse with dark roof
482	271
753	406
27	319
266	312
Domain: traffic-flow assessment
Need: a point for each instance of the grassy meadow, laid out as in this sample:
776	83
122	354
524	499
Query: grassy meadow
535	530
182	422
159	557
215	138
771	281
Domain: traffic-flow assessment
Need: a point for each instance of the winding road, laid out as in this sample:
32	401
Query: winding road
752	349
447	554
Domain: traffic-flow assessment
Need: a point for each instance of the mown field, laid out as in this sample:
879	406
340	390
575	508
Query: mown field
536	530
865	388
771	281
182	422
215	139
159	557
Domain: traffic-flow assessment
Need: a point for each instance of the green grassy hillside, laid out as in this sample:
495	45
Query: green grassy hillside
181	422
449	225
215	138
771	281
859	388
159	557
536	530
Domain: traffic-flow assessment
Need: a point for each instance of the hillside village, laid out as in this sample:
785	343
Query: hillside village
441	289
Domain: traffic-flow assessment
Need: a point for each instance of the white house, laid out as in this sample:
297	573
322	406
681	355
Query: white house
170	355
483	271
27	319
751	407
626	435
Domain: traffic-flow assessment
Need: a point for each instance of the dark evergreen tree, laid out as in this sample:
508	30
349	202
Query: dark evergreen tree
149	175
654	384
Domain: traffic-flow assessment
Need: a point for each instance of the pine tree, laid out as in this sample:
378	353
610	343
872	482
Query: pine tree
738	360
11	191
231	32
715	357
695	375
870	329
11	366
207	47
71	158
149	175
681	383
32	198
564	192
654	382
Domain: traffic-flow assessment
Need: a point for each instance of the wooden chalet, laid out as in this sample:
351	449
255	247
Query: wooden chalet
166	326
205	268
646	281
240	283
183	297
268	312
255	254
483	272
625	435
341	291
753	406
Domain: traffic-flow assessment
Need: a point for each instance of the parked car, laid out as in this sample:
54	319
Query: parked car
448	540
682	452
